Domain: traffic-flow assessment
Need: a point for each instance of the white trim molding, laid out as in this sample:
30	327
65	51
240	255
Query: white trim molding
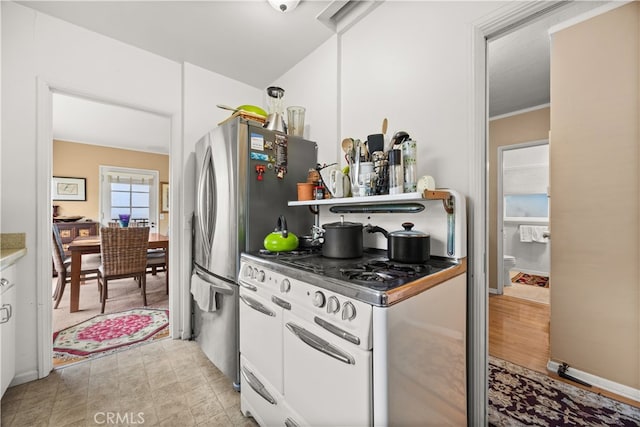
518	112
603	383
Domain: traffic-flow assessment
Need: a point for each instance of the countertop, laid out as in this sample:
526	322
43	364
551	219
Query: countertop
12	248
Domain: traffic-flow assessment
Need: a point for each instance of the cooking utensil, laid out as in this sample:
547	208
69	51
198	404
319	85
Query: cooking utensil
347	146
375	142
398	139
281	240
407	246
385	122
309	242
246	108
342	239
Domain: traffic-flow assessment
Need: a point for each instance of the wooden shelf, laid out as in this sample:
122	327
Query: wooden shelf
385	198
436	194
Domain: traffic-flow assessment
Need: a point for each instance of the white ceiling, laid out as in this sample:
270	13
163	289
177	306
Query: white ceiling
249	41
519	62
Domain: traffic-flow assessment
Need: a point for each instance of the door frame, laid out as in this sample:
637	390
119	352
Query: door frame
500	205
44	212
501	21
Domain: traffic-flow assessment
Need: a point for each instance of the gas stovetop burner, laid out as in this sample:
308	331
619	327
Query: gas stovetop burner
372	270
395	266
368	276
297	252
382	271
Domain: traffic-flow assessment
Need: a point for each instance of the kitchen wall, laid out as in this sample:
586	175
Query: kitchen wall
84	161
411	62
313	84
520	127
595	290
66	56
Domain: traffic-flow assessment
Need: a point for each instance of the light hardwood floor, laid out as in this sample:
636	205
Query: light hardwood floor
519	333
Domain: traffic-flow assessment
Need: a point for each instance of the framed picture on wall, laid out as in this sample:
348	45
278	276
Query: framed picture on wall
69	189
164	197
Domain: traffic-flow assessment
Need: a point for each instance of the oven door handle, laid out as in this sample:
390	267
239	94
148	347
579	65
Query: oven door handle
257	305
257	386
320	344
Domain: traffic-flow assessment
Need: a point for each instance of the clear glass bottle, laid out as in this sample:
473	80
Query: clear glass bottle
396	172
409	154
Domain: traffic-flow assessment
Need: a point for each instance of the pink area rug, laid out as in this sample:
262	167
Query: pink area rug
107	333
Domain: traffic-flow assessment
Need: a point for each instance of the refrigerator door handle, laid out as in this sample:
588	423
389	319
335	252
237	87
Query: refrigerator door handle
204	193
217	284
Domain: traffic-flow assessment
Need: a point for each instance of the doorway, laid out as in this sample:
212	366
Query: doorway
523	245
87	134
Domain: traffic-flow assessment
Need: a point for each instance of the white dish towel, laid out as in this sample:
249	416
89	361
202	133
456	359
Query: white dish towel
203	293
526	233
537	233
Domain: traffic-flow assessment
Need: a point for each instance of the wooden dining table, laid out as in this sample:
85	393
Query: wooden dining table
91	245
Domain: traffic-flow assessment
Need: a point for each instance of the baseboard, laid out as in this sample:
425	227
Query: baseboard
493	290
603	383
25	377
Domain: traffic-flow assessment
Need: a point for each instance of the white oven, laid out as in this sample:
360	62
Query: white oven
261	367
306	353
328	359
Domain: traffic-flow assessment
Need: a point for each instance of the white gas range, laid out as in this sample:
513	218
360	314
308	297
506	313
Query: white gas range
322	345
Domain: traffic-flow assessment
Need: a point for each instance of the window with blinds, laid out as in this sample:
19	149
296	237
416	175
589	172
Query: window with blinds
129	191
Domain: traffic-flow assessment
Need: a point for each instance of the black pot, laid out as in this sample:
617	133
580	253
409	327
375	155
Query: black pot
408	246
342	239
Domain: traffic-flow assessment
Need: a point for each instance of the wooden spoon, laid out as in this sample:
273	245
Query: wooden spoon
384	126
347	145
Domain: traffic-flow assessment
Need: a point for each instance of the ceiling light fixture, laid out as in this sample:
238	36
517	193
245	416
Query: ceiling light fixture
284	5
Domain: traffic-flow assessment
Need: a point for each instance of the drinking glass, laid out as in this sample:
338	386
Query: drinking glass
295	124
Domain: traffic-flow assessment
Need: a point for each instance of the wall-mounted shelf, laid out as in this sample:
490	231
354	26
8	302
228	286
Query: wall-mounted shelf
385	198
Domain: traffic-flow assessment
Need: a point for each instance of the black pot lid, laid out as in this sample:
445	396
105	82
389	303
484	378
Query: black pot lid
408	232
340	224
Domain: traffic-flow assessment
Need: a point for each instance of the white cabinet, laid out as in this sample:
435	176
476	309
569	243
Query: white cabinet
7	326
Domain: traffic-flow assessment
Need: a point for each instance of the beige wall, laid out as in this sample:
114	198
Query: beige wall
516	129
83	161
595	299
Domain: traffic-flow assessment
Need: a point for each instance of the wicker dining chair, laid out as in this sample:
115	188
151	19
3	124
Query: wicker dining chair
124	254
62	265
156	260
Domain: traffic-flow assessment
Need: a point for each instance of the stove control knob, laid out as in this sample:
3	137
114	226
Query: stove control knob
248	272
285	285
318	299
333	305
348	311
261	276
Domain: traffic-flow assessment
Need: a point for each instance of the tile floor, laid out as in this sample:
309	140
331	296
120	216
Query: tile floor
166	383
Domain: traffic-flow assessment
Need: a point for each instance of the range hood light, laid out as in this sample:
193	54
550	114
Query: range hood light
284	5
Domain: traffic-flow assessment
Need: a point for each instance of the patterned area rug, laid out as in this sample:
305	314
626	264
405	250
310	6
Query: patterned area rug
522	397
107	333
531	279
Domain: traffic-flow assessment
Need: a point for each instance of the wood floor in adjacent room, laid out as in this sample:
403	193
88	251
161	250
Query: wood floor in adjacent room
519	333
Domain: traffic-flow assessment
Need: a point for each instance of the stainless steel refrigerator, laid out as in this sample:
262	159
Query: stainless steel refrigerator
245	176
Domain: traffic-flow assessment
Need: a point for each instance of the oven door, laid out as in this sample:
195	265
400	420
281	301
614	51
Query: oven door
261	334
258	398
328	380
